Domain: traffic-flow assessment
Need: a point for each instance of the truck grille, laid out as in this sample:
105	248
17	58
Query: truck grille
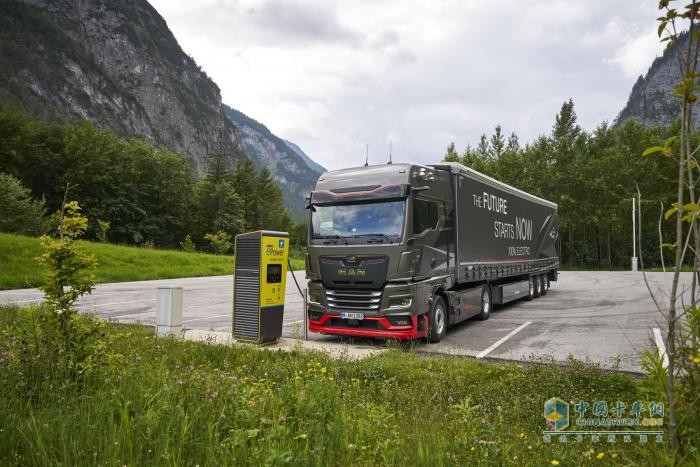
360	300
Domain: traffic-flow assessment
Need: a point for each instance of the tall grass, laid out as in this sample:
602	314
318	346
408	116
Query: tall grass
150	401
19	269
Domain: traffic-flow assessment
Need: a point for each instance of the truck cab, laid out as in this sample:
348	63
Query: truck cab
380	241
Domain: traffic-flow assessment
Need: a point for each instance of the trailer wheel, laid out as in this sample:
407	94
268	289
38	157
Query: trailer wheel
530	289
437	320
545	283
485	302
538	285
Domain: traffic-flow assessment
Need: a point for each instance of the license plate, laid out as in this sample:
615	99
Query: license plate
352	315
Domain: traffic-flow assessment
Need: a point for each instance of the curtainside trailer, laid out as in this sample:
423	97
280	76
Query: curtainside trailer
405	250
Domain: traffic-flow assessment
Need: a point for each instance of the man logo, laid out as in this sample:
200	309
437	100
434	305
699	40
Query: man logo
281	244
556	411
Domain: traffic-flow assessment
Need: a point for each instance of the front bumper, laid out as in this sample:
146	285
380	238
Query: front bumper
370	327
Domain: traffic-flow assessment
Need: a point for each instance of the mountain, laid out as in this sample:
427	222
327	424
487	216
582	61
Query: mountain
651	100
312	165
293	170
115	64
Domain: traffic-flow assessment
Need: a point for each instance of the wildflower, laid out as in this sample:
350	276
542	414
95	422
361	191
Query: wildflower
491	443
282	419
330	378
521	435
614	455
473	448
696	359
323	370
600	455
555	462
179	381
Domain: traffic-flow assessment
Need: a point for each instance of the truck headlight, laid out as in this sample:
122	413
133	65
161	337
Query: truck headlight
401	301
314	296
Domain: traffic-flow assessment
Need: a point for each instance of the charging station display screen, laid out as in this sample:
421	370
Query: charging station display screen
274	273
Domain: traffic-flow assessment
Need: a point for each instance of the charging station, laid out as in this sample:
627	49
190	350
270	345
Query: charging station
259	281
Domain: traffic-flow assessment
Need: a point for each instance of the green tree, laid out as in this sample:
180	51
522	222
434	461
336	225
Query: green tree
497	143
245	179
68	272
19	213
271	208
220	242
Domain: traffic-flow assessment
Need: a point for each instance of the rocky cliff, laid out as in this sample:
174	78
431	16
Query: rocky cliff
114	63
293	170
651	100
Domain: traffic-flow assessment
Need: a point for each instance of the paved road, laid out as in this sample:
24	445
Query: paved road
605	317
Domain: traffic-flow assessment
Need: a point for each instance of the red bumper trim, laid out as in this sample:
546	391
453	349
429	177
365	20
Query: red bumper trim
389	331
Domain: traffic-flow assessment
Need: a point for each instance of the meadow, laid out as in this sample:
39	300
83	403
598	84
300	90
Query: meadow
116	263
121	396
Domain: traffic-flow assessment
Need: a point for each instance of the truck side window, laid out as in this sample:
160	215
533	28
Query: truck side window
425	215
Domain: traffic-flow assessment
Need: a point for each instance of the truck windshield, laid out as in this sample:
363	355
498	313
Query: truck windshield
381	219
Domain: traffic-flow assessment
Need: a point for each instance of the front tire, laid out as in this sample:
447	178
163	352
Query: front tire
438	320
485	302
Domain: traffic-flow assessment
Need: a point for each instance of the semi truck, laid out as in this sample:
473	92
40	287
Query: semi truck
407	250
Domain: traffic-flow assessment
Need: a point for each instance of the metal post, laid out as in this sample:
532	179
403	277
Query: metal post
634	236
169	311
306	315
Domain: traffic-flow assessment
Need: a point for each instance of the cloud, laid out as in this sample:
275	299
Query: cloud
294	23
335	76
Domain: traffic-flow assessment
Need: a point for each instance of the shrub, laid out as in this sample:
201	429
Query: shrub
19	212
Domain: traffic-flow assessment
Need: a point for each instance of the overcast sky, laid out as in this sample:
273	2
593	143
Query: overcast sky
334	76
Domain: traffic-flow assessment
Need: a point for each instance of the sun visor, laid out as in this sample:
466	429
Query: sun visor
360	194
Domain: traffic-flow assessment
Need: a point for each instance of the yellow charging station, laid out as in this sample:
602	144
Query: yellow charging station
260	276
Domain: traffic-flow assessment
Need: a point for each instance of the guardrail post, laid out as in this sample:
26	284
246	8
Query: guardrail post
169	312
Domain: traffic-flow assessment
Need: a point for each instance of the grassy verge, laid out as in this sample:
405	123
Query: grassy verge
147	401
116	263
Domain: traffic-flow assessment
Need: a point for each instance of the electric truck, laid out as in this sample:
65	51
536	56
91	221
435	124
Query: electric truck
406	250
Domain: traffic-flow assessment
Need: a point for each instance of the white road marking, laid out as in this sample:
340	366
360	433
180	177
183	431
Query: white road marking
293	322
17	302
485	352
662	347
87	304
206	317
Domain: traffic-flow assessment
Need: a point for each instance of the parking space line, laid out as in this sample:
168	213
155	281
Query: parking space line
487	351
662	347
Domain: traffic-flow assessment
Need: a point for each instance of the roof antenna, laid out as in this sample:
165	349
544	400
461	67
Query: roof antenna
367	156
389	163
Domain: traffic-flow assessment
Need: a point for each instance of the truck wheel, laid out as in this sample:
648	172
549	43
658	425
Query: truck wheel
485	302
530	289
545	284
538	285
438	320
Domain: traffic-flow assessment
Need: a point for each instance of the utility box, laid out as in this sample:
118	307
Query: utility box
259	281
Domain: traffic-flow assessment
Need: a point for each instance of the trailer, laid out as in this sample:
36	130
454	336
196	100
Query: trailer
405	250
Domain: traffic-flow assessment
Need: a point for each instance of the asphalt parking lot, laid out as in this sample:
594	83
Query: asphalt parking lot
604	317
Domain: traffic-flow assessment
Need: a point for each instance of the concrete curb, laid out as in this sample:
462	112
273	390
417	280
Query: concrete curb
337	350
